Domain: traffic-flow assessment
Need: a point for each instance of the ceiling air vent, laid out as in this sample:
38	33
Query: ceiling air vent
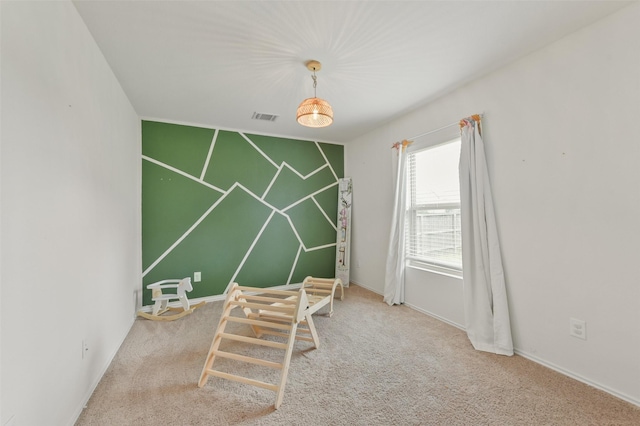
263	116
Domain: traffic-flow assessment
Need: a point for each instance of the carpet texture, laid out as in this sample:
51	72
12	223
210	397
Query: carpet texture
376	365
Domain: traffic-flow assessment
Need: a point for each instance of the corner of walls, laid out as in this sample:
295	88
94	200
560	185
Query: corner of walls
370	160
100	370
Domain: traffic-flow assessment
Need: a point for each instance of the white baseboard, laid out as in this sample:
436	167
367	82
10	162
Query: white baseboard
432	315
544	363
577	377
520	352
531	357
96	381
366	287
94	385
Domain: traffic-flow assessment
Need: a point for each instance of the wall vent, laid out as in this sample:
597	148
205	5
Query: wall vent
264	117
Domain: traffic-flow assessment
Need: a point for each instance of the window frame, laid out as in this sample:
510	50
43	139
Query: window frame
440	267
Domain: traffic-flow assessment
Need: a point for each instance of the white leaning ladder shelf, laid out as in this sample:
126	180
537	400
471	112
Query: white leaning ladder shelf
269	312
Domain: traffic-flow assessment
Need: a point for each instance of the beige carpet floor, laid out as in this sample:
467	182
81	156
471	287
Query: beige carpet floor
376	365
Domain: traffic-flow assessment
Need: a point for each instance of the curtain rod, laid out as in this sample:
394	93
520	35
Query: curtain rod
445	127
435	130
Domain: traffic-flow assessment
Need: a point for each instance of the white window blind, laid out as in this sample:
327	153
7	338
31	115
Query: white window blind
433	210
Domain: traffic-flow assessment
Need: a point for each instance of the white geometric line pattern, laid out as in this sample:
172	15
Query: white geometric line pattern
285	164
255	241
261	199
295	262
309	196
259	150
181	173
325	214
327	161
206	163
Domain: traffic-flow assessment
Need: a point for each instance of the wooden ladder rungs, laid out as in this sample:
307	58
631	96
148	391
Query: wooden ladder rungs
259	323
270	312
267	290
283	309
277	333
248	359
241	379
264	315
253	340
269	300
318	290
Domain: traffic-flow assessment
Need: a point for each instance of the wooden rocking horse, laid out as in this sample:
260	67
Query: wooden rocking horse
161	300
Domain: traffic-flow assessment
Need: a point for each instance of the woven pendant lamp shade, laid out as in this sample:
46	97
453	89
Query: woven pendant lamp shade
315	112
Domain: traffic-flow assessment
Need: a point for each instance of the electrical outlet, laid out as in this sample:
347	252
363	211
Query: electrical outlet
197	277
578	328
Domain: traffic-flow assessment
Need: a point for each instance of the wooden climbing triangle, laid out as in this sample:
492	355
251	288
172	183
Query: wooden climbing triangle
283	313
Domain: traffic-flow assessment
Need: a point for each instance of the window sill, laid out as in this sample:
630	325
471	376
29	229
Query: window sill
435	269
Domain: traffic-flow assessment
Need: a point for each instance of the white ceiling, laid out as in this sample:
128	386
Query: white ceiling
215	63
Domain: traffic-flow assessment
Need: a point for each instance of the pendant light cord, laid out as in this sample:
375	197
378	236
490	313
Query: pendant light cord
315	83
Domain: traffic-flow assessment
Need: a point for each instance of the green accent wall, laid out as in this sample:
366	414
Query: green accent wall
261	211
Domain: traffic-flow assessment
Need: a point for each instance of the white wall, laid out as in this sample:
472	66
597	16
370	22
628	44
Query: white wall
71	213
563	160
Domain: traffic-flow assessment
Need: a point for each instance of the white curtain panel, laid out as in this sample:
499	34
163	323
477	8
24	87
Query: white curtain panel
485	297
394	276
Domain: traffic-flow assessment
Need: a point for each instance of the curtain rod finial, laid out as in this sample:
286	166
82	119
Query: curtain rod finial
405	144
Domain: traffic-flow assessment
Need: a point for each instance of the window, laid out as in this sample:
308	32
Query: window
433	207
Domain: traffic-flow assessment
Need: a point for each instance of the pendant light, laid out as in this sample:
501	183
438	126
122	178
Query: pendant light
314	112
